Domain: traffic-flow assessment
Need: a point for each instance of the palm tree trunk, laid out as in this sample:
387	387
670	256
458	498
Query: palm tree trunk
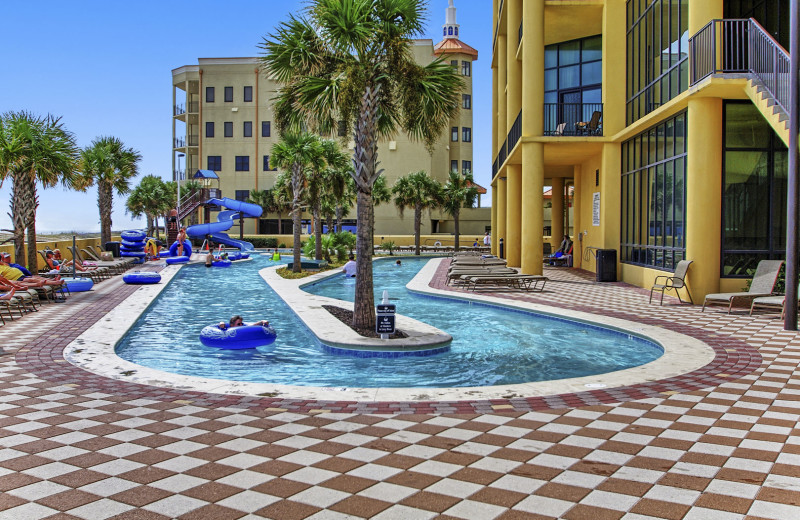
365	159
317	232
339	218
417	225
104	202
30	203
17	215
330	223
455	223
364	305
297	186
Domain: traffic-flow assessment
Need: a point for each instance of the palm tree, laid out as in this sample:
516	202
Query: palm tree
417	190
459	191
297	152
33	150
151	198
265	199
110	165
282	194
350	63
319	185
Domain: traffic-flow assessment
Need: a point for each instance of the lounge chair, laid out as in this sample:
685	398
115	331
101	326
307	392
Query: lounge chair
769	303
675	282
762	285
590	127
9	302
526	282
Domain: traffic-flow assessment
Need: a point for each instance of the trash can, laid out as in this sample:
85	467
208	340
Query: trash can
113	247
606	265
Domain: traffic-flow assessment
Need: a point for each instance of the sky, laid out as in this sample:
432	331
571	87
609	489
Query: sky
105	69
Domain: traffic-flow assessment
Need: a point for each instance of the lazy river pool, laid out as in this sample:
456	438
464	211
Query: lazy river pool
491	345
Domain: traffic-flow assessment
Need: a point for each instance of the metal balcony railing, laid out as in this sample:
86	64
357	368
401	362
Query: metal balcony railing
573	119
515	133
740	46
194	107
178	174
179	142
178	110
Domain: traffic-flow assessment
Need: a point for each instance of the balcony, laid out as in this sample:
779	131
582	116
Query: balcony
178	110
739	46
194	140
194	107
573	119
179	142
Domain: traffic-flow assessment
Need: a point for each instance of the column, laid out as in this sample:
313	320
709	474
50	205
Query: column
513	214
557	212
577	217
501	213
533	67
610	193
502	101
493	232
704	195
532	207
513	66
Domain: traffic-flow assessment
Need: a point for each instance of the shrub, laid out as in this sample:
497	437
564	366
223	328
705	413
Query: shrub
388	246
262	242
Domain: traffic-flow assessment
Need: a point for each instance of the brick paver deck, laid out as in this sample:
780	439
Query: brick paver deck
720	443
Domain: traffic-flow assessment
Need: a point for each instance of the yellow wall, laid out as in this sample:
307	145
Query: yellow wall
63	245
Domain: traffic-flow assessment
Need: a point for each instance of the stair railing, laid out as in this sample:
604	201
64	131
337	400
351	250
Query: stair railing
740	46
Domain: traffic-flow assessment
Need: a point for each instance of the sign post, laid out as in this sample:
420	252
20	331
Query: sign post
384	317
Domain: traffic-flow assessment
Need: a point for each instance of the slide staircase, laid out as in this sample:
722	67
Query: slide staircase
225	219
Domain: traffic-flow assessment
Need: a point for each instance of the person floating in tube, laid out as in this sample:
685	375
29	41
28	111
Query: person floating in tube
237	321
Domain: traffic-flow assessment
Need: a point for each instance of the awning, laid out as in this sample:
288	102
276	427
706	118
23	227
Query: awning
205	174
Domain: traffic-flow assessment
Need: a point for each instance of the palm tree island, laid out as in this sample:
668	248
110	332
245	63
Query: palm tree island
347	64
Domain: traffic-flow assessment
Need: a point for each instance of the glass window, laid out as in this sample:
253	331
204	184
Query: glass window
242	163
229	94
573	85
551	56
248	94
215	163
569	77
265	129
591	73
228	128
466	134
754	191
266	165
454	134
466	167
569	53
247	131
209	94
454	64
591	49
242	195
209	129
466	101
466	68
453	166
653	213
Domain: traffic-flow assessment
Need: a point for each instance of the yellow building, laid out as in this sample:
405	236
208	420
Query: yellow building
223	121
663	115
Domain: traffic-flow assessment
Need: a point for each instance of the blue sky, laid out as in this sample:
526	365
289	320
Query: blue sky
105	68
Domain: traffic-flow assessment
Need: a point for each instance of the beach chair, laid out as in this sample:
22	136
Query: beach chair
762	285
675	282
590	127
9	302
770	303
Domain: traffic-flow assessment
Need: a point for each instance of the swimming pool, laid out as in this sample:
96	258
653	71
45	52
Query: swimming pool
491	346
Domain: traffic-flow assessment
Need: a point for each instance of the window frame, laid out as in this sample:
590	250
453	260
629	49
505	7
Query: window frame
228	94
209	98
454	134
466	68
466	134
247	95
209	126
242	163
247	129
217	159
227	129
266	125
466	101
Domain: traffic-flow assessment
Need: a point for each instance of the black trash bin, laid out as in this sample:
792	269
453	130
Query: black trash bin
113	247
606	265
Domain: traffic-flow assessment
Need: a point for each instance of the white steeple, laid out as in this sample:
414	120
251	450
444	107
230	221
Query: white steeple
450	28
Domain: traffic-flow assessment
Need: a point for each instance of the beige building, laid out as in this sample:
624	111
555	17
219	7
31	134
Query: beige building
223	121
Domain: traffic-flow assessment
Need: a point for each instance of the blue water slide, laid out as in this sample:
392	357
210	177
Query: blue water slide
217	230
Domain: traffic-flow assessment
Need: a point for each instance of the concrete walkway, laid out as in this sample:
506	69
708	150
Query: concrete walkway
719	443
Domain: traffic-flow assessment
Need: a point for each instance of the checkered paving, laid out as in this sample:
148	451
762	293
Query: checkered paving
721	443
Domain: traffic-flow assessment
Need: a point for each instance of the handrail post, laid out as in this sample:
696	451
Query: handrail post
793	188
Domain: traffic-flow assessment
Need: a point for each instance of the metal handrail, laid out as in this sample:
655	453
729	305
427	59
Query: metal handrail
573	119
740	46
516	132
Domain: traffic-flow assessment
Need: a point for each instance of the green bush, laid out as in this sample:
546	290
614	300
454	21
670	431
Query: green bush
389	246
262	242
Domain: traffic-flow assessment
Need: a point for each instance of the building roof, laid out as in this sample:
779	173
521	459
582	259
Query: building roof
481	189
454	46
205	174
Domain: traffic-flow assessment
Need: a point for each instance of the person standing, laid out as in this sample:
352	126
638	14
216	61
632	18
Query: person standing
487	239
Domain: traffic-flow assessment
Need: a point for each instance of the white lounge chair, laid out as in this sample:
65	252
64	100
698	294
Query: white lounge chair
762	285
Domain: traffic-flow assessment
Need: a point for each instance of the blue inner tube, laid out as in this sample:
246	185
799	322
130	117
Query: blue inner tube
221	263
164	254
129	249
141	277
136	254
187	248
248	336
234	256
245	255
133	243
133	235
177	260
79	284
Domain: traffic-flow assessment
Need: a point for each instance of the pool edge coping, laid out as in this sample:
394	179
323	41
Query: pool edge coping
94	351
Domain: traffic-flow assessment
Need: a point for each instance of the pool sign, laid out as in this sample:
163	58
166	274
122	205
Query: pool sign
384	323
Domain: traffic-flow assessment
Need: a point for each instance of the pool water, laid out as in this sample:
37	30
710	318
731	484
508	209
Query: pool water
491	345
